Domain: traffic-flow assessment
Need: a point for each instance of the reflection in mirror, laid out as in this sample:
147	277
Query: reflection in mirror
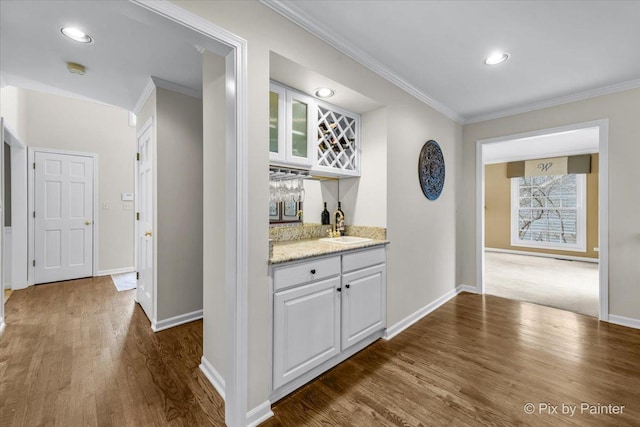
286	195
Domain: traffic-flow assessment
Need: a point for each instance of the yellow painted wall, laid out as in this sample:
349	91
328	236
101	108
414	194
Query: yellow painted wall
497	211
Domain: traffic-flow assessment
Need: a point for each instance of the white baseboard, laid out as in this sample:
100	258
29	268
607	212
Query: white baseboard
18	286
543	255
213	376
467	288
161	325
624	321
259	414
429	308
114	271
255	416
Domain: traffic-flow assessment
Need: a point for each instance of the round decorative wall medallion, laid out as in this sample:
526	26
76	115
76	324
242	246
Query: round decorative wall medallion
431	170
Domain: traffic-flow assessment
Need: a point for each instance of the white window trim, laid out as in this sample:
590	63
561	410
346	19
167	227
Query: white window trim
581	227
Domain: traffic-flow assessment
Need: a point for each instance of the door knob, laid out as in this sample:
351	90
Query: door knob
87	223
148	234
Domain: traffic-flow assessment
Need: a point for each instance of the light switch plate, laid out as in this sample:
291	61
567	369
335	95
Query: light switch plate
127	197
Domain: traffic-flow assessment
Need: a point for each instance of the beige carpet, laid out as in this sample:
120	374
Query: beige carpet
569	285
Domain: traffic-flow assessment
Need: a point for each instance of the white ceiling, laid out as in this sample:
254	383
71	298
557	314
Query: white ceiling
571	142
130	45
560	50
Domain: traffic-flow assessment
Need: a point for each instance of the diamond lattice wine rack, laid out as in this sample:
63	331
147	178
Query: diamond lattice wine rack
337	145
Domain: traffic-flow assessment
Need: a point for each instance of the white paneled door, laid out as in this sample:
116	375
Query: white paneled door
63	217
144	293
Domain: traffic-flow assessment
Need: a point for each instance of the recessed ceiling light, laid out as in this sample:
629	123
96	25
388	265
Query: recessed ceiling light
76	35
324	92
496	58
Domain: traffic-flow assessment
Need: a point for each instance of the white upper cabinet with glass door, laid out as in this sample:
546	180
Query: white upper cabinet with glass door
308	133
300	129
277	123
291	127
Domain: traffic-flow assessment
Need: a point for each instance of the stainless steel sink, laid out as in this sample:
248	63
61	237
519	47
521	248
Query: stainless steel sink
345	240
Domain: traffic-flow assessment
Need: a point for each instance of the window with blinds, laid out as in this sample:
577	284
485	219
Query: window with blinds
549	212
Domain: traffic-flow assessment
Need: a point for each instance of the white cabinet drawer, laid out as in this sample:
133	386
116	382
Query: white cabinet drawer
363	259
298	274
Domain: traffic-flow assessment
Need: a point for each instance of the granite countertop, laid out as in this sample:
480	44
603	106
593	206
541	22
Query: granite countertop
301	249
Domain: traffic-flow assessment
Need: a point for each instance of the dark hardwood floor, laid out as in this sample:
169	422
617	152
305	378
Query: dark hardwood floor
79	353
478	361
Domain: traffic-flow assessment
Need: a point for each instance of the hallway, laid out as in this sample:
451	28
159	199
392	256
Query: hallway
80	353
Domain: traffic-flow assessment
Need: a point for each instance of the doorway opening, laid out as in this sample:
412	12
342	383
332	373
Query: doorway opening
232	50
14	211
542	217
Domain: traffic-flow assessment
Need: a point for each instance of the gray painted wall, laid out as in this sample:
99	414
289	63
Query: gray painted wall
622	109
179	203
214	255
422	254
56	122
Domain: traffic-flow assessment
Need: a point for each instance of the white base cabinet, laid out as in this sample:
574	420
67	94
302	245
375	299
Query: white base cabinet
323	307
363	304
306	328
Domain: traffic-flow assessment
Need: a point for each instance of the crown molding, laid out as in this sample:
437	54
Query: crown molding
372	64
552	102
359	56
146	93
174	87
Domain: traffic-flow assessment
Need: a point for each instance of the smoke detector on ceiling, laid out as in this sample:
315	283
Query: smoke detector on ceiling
76	68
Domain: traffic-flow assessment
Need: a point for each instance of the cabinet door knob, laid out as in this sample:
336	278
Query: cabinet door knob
313	271
347	286
339	289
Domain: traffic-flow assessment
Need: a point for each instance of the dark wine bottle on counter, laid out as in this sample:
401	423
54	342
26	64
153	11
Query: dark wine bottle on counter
324	216
340	220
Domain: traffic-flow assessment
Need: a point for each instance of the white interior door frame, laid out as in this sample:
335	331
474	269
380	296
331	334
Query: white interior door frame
603	203
31	206
236	205
1	223
18	208
148	124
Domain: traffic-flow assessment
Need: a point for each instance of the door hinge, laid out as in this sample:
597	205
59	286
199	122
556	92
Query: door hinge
34	262
34	165
137	216
138	156
34	214
137	276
